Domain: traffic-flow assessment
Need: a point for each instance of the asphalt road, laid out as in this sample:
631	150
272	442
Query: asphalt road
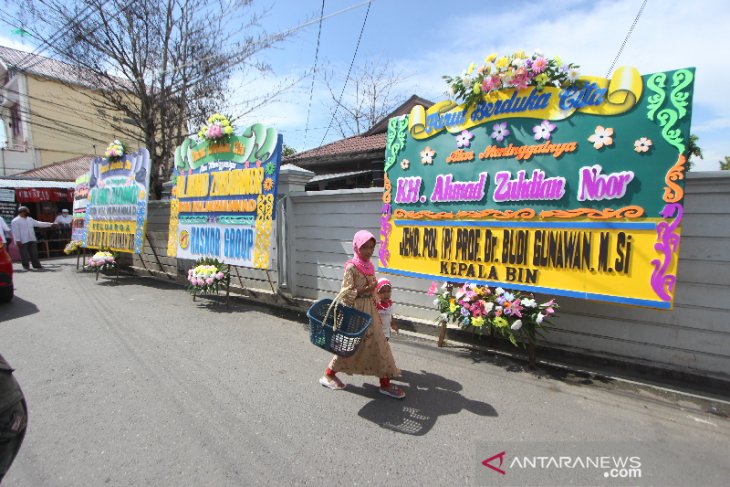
133	383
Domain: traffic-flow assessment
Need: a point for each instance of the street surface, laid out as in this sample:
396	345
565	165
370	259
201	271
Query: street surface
134	384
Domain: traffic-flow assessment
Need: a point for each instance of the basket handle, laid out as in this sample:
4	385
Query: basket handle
335	302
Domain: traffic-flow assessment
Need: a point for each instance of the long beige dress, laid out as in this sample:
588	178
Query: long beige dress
374	356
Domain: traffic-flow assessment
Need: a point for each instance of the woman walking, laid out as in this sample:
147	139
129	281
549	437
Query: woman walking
374	356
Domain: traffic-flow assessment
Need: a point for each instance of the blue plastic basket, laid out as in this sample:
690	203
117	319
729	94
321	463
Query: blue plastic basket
351	327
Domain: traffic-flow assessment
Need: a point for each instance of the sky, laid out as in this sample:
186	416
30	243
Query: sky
427	39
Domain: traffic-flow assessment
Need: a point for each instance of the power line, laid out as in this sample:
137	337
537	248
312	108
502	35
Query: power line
347	78
314	73
626	39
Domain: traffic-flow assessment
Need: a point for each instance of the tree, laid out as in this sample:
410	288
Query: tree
164	64
693	150
367	99
287	151
725	166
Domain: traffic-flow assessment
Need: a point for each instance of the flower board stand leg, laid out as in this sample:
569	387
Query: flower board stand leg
78	256
228	285
97	274
531	356
442	333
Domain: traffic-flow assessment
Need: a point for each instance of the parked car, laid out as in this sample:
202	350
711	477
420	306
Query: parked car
6	275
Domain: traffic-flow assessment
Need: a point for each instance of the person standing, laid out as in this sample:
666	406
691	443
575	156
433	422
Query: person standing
13	417
24	235
5	232
63	218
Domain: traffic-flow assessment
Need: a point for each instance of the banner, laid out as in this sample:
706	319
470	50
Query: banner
7	205
574	191
81	200
116	210
224	198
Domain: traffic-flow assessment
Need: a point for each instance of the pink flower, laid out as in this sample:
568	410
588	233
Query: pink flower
500	131
433	289
464	139
214	131
209	281
491	83
544	130
220	276
549	311
539	65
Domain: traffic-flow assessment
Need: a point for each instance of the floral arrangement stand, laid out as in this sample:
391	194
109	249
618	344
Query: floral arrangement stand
104	261
207	276
514	315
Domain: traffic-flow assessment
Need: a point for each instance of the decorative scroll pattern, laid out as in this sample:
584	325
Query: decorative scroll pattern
172	229
656	83
522	214
667	117
422	215
680	99
396	140
387	188
673	192
667	245
264	211
594	214
385	226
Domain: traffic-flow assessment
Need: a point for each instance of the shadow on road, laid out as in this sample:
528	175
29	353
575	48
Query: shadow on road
429	396
17	308
543	370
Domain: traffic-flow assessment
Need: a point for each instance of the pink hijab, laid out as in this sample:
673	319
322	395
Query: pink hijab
364	266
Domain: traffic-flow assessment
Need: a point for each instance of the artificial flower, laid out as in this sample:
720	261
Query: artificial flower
602	137
539	65
432	290
404	164
477	321
464	139
427	155
544	130
516	325
642	145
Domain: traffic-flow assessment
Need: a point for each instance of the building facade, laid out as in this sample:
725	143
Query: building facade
48	113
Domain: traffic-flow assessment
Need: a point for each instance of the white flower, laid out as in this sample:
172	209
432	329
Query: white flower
404	163
450	91
528	303
466	80
488	307
460	293
538	52
539	318
445	285
518	63
436	302
573	74
516	325
499	291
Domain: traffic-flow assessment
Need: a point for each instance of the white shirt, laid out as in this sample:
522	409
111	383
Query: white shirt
23	228
64	219
386	317
3	228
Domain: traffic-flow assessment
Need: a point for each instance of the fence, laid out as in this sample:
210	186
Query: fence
314	239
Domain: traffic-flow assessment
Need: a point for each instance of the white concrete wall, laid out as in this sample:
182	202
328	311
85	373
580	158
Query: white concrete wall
694	337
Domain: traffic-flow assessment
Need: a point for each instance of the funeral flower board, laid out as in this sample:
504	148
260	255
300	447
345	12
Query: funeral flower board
573	189
116	210
224	195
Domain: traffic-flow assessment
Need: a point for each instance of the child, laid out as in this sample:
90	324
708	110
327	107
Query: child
374	356
385	307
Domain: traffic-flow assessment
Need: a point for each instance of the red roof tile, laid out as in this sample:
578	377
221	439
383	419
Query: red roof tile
67	170
351	145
